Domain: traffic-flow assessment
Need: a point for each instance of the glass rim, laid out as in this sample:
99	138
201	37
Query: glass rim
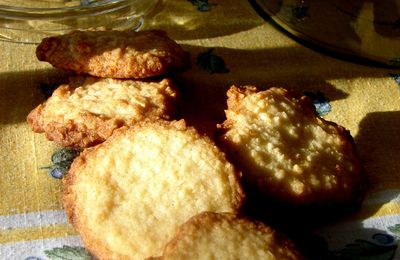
42	13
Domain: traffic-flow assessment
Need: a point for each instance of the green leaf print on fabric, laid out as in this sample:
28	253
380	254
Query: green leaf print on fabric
210	62
300	12
68	253
321	103
61	161
396	78
366	250
395	62
202	5
395	230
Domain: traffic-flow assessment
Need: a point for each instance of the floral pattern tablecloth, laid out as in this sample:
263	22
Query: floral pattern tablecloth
229	44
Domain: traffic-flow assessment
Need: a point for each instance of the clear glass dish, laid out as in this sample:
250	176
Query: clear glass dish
29	21
365	31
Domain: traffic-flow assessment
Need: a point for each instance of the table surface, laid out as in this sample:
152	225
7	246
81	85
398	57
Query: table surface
363	99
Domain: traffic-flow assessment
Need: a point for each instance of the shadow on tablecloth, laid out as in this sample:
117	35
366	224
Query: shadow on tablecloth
20	92
378	144
296	68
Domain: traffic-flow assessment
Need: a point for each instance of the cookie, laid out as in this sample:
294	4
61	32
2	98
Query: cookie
88	110
290	156
114	54
128	196
224	236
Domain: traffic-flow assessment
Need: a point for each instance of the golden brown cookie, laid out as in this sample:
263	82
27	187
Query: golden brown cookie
128	196
224	236
114	54
88	110
287	153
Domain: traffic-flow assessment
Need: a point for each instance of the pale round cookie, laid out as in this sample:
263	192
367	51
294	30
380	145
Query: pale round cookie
128	196
114	54
288	154
88	110
212	235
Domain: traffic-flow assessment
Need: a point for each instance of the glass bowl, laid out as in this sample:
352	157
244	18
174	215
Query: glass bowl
29	21
364	31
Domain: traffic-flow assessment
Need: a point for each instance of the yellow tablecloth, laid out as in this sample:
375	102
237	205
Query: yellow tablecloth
365	100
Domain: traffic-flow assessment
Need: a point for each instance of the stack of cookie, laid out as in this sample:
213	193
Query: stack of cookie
148	187
116	93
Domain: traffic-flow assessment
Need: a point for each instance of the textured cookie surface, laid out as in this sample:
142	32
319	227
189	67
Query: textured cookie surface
287	152
87	111
224	236
128	195
114	54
